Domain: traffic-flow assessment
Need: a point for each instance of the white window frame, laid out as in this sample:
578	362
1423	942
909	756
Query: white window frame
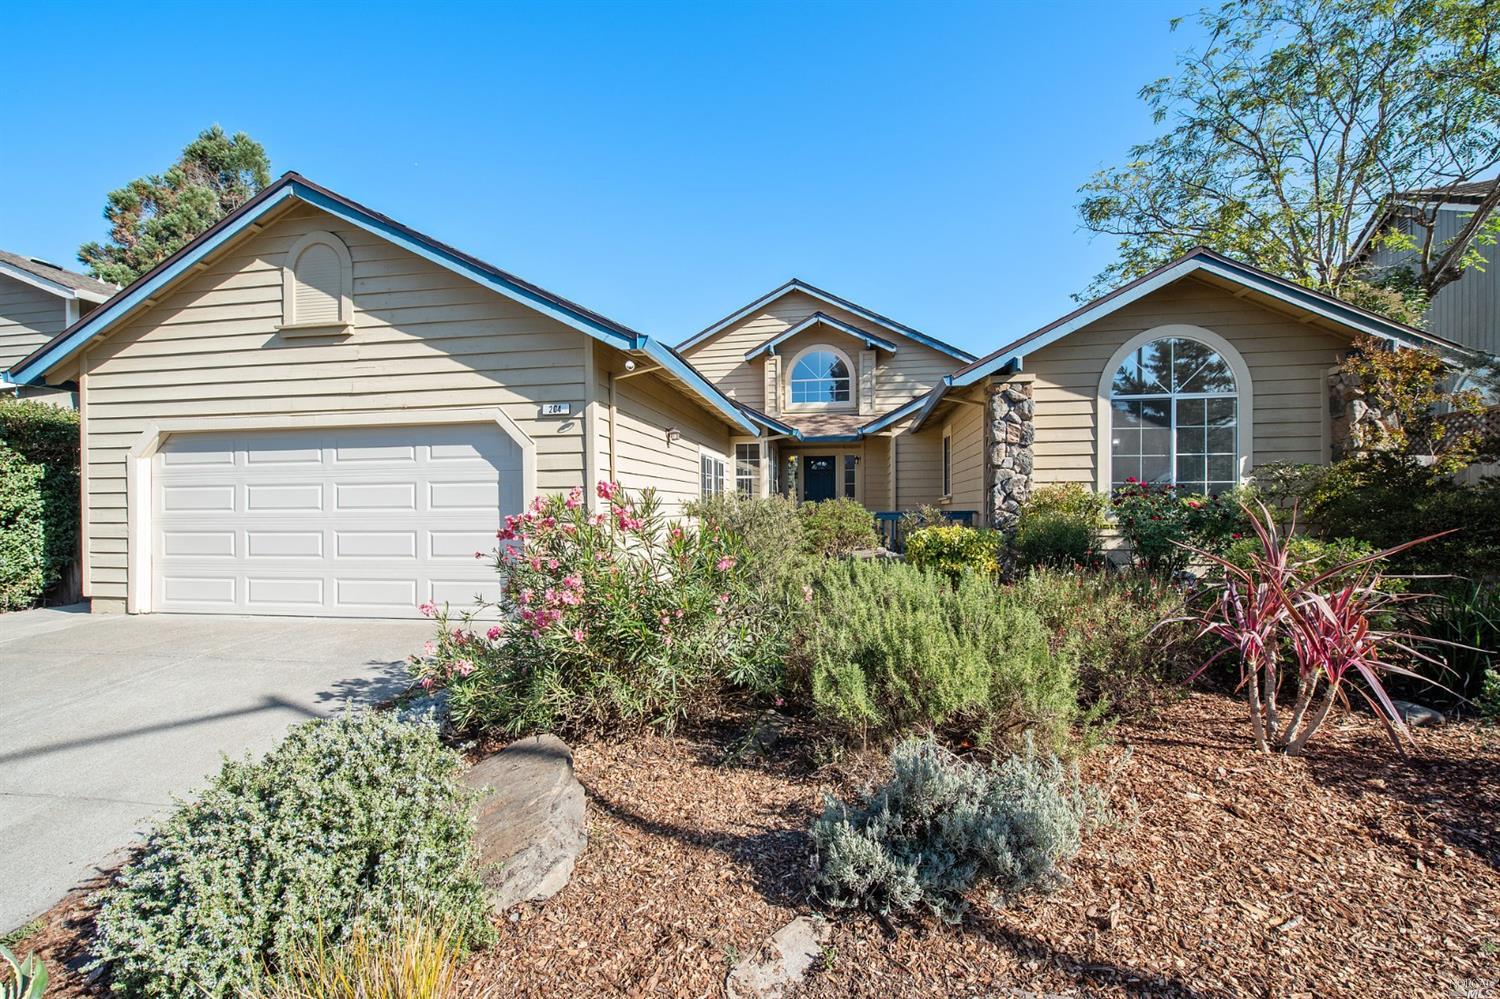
849	405
1244	393
712	471
947	463
755	470
289	321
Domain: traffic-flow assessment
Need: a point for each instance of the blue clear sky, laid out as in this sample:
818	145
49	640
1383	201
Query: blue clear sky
662	164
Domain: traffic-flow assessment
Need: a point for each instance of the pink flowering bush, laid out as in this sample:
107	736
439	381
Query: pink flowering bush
607	616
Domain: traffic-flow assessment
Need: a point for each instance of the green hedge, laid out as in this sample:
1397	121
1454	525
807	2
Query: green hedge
38	499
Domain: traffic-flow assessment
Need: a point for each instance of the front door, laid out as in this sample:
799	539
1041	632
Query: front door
819	482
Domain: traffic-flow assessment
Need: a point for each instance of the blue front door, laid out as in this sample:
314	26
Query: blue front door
819	481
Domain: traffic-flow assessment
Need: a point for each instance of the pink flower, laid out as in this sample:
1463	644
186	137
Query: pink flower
665	620
552	563
780	702
578	635
494	633
479	554
427	609
463	667
575	498
426	683
608	490
679	612
429	648
573	582
725	564
666	640
536	563
676	533
723	598
807	593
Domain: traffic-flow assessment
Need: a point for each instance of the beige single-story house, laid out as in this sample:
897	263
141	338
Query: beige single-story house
314	409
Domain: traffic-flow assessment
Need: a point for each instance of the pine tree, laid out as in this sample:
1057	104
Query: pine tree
153	217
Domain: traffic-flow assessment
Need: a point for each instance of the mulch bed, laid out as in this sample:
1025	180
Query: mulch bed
1352	872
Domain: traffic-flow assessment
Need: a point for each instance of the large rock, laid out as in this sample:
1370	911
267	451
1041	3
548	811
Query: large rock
1418	715
531	824
787	957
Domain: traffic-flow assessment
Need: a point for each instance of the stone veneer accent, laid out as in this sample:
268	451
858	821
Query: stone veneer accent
1351	417
1010	431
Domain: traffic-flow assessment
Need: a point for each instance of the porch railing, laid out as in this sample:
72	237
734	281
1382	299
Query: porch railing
890	525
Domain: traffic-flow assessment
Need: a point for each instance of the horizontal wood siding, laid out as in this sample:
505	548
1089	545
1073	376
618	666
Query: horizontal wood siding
1468	310
913	369
423	338
646	408
1288	363
919	469
29	317
965	427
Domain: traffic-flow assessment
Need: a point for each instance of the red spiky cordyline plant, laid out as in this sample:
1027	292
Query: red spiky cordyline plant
1325	616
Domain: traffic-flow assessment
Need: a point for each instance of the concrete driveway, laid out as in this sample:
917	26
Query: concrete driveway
105	719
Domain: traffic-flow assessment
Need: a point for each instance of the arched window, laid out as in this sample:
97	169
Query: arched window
820	377
317	282
1175	417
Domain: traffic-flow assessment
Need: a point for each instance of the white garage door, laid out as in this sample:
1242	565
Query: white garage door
365	522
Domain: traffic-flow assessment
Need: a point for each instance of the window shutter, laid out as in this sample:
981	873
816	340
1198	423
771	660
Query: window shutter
320	277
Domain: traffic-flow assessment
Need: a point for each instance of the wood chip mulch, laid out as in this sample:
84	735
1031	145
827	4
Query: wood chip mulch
1353	872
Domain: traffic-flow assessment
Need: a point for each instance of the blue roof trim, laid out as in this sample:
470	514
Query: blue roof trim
84	330
833	439
674	362
894	416
820	319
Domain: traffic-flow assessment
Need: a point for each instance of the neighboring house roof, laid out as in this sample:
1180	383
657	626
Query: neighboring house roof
55	279
1458	196
797	285
1199	261
292	185
819	319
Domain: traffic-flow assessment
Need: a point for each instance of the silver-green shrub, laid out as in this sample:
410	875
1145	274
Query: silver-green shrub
941	827
348	822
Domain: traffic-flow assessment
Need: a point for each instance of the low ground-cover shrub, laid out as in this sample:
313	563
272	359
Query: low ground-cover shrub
890	648
1061	525
941	827
606	618
352	822
1157	521
412	960
38	499
953	550
838	527
1108	626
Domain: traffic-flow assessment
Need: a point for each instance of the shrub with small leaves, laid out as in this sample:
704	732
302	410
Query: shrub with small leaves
349	822
941	827
953	550
38	499
837	527
1061	525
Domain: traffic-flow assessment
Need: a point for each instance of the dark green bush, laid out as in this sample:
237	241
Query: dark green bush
838	527
1108	627
891	649
348	822
1061	525
940	827
1155	521
953	549
45	438
23	532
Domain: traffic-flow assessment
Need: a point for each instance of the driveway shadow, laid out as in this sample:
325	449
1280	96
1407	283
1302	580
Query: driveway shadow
386	680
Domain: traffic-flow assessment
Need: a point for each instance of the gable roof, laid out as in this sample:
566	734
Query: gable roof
1202	261
34	367
52	278
820	319
796	284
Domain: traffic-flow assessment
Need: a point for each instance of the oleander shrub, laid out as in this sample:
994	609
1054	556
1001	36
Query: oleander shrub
769	528
890	648
1061	525
412	960
838	527
23	532
608	618
1121	632
941	827
349	825
954	550
38	499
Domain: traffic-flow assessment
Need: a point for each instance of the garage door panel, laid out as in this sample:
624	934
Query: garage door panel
356	522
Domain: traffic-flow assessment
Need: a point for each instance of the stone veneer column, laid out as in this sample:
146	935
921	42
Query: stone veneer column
1009	434
1352	420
